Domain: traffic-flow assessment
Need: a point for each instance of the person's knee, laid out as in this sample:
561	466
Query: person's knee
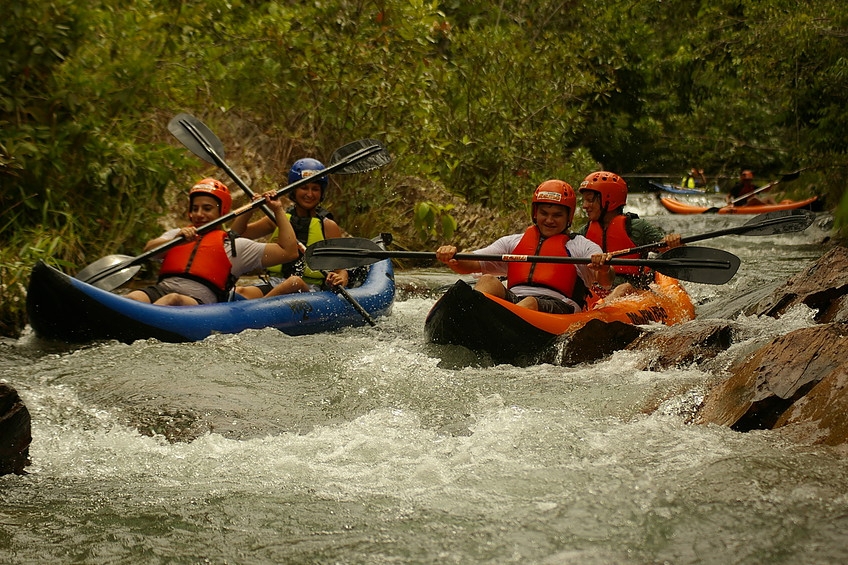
176	299
138	296
490	285
529	302
291	285
621	290
167	300
249	292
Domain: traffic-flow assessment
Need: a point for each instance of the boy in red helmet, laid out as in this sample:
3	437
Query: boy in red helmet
604	196
557	288
204	269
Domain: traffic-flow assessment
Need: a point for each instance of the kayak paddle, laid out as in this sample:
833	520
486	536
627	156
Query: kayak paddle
695	264
772	223
343	158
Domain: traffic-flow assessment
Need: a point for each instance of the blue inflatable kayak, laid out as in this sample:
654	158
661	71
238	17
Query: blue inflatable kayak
677	189
63	308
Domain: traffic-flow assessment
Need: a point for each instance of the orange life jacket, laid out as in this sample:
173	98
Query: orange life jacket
204	260
560	277
615	238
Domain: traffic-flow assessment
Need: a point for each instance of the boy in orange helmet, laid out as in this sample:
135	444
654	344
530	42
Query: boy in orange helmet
557	288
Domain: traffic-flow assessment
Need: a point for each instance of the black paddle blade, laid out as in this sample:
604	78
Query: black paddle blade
775	223
703	265
343	253
373	161
198	138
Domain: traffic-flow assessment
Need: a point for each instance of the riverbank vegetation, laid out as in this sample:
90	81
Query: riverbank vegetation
483	100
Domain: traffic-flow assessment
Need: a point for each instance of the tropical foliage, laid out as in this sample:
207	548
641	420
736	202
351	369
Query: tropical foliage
487	99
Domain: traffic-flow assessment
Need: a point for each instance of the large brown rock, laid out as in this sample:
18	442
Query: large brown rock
796	382
15	432
797	379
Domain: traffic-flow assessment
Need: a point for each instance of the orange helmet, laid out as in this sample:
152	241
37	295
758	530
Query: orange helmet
610	186
747	175
555	192
216	189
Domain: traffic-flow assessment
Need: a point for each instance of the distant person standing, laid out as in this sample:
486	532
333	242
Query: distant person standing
746	186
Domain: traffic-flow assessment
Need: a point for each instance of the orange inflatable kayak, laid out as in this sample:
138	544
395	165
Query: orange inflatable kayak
678	207
512	334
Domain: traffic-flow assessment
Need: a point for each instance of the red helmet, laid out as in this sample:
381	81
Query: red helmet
610	186
555	192
216	189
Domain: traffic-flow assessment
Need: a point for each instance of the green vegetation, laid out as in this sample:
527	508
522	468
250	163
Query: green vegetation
486	99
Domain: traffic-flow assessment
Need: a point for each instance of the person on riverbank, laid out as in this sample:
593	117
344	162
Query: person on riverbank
311	223
203	270
558	288
746	186
604	196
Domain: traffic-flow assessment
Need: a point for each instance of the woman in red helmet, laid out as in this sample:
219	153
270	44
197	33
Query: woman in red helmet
204	269
604	196
547	287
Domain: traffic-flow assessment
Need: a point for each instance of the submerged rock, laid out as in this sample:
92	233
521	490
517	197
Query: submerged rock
15	432
592	341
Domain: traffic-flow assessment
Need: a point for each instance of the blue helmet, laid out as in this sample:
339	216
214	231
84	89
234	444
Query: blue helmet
305	168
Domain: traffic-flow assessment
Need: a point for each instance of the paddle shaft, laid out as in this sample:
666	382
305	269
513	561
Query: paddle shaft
759	225
695	264
510	258
753	192
353	157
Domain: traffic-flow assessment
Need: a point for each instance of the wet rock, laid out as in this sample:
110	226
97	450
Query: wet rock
593	341
15	432
822	286
684	344
796	380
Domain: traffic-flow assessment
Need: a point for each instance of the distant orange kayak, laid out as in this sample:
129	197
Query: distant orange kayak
678	207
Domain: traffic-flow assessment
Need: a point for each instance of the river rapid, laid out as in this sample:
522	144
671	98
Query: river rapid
369	445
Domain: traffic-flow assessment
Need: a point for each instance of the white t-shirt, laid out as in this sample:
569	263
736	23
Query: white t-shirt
577	245
248	258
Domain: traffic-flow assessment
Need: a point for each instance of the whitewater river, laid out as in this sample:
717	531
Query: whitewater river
370	446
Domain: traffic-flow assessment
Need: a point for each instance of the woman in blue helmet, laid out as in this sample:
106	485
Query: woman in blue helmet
311	223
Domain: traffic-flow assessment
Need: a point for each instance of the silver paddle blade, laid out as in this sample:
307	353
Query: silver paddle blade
114	280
